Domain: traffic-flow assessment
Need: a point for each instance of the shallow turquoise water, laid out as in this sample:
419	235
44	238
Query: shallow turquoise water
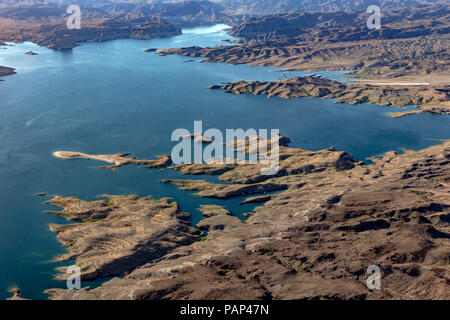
112	97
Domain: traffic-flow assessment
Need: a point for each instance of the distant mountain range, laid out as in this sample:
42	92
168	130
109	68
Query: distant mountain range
202	8
263	7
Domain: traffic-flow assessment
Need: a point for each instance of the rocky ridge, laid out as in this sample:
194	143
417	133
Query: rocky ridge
118	233
265	7
15	294
405	62
434	99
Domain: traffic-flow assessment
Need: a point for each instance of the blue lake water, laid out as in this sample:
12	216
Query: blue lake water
112	97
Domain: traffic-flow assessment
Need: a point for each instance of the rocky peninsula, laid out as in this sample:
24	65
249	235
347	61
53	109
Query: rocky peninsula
15	294
118	160
406	62
6	71
118	233
433	99
313	240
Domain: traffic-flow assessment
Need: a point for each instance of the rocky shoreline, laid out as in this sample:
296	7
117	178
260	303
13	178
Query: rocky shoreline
6	71
411	45
323	218
117	160
410	49
46	26
314	240
118	233
425	98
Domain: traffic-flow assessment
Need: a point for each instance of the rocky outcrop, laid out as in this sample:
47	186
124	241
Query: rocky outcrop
426	98
47	26
118	160
118	233
293	161
348	25
224	191
15	294
193	13
60	42
6	71
422	59
268	7
314	240
216	218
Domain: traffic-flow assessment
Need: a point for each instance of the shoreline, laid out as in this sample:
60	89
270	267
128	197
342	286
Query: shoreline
394	58
6	71
329	178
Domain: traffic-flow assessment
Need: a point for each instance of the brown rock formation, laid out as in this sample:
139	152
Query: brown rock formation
120	233
217	218
316	239
6	71
198	138
46	26
411	48
15	294
118	160
427	98
224	191
269	7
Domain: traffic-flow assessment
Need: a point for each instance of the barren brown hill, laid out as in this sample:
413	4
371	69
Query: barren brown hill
412	44
426	98
46	26
412	47
124	231
403	22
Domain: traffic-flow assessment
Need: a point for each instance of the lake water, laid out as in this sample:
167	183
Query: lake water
112	97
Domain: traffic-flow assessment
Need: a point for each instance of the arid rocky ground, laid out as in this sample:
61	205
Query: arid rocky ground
6	71
412	47
117	160
330	218
412	42
314	240
434	99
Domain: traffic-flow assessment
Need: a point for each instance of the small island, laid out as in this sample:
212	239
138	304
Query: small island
314	240
6	71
